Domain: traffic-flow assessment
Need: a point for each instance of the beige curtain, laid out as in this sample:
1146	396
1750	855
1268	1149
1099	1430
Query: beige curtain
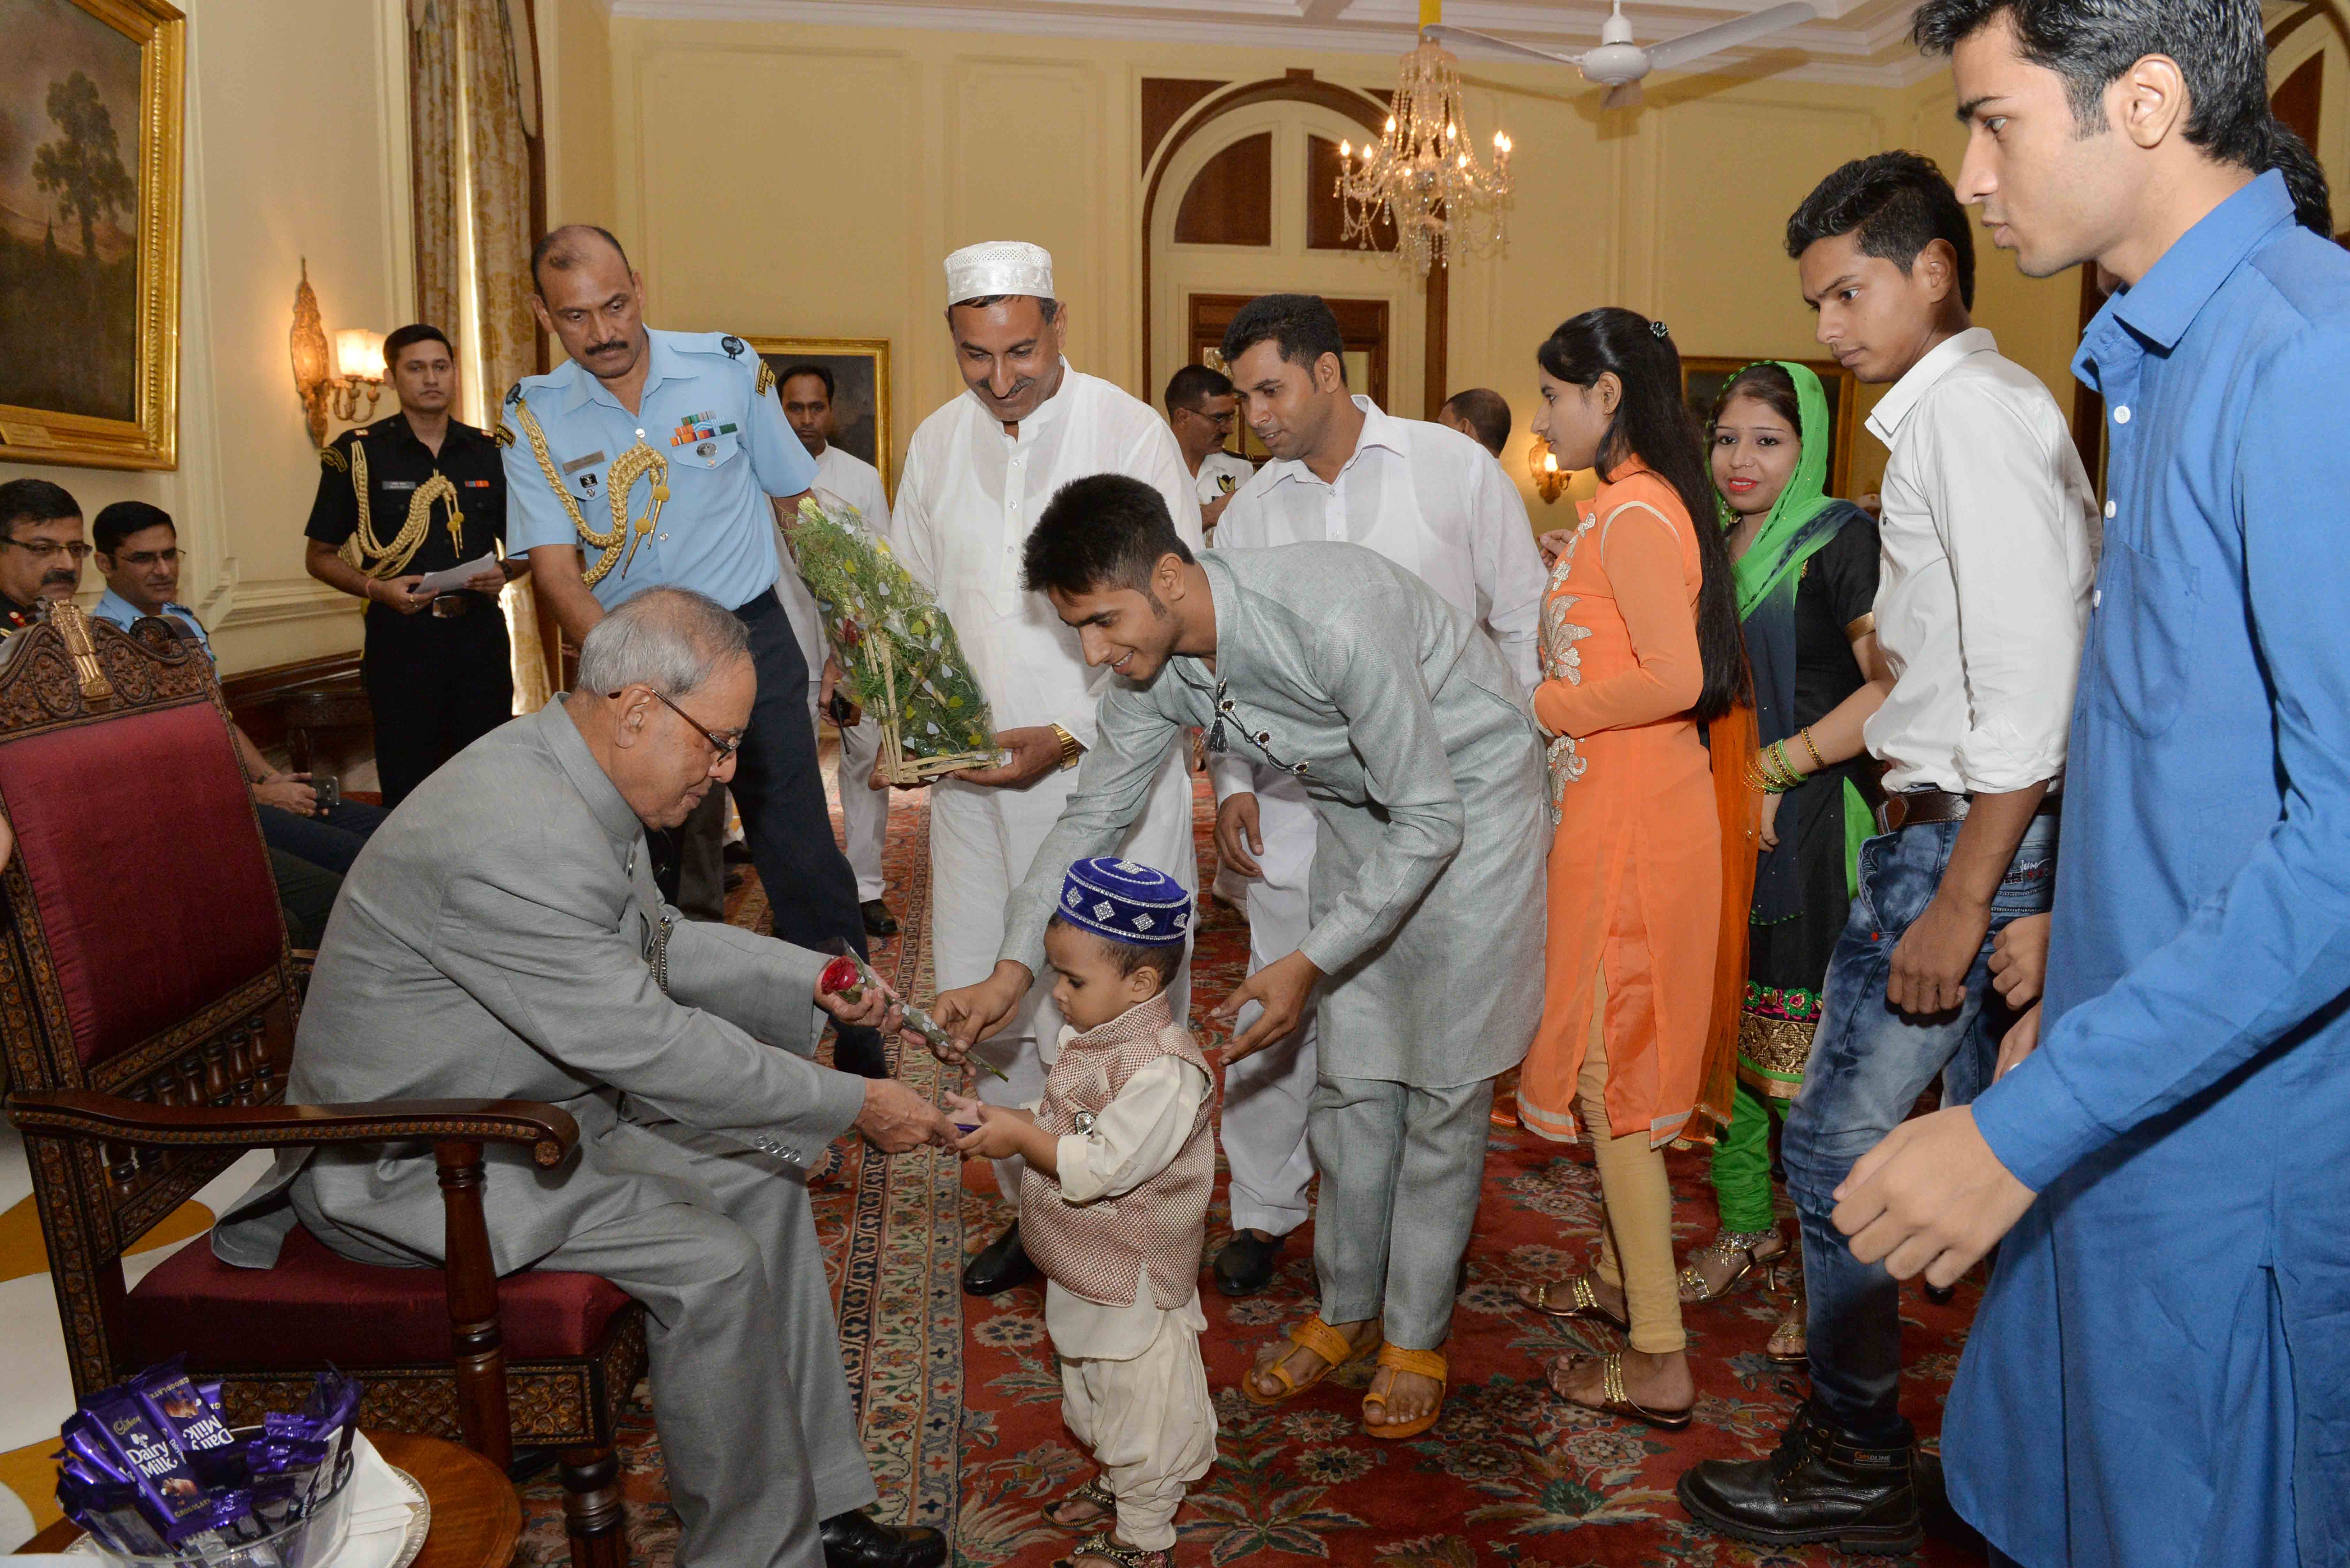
474	107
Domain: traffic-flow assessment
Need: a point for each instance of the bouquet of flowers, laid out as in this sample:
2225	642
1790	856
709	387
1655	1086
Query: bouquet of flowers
895	647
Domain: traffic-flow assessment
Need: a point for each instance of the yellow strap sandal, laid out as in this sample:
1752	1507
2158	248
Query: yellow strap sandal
1314	1336
1428	1363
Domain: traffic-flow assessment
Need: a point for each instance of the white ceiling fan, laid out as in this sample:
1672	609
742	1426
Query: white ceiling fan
1619	63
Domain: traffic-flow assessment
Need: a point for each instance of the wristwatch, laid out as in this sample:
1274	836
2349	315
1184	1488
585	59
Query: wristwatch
1070	750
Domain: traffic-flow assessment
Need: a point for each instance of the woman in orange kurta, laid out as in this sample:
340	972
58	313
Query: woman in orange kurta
1639	646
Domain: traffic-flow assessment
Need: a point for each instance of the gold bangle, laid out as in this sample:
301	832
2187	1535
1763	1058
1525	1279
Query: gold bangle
1785	770
1819	763
1070	750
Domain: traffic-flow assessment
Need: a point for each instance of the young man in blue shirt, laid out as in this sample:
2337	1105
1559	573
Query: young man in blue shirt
2160	1373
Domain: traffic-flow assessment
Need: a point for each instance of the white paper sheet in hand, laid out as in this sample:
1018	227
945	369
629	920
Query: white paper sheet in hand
456	577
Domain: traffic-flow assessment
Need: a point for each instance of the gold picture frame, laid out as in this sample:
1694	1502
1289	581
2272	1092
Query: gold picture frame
1702	380
861	399
91	312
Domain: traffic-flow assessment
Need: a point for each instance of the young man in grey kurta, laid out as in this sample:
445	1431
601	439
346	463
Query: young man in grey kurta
1412	739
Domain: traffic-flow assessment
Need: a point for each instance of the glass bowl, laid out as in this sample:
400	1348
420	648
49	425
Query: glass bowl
307	1543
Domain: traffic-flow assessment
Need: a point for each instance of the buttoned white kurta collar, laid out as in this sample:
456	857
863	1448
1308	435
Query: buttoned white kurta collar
1884	419
1017	449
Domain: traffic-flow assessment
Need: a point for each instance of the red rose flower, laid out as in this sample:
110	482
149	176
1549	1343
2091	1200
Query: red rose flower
840	977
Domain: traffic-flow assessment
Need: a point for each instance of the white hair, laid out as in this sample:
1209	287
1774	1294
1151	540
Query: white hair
671	640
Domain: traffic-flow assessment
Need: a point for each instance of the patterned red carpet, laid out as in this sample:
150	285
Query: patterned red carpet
961	1404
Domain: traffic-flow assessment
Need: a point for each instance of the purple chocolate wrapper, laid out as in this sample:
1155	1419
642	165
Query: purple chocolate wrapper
169	1493
109	1511
179	1408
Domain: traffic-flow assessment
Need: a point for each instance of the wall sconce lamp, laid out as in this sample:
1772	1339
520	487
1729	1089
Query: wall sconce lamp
357	355
1542	466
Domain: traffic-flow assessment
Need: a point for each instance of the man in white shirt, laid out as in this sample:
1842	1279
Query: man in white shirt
978	475
1480	413
807	391
1990	542
1200	408
1432	500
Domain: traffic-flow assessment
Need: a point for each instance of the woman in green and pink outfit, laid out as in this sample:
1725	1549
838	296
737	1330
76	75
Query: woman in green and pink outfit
1806	577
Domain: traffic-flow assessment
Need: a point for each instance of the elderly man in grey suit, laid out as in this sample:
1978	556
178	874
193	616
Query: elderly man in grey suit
1412	739
501	936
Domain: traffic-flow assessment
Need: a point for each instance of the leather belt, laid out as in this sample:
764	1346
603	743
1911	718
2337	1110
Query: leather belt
453	604
1913	808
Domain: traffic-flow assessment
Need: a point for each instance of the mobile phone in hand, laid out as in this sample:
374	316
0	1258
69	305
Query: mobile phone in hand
843	712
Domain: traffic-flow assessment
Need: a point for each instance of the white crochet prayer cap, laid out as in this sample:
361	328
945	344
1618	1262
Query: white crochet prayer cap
999	266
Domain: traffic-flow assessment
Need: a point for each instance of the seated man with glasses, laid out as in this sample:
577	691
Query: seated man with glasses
41	549
138	553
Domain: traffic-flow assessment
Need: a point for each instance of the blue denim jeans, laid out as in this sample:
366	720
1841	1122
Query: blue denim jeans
1869	1062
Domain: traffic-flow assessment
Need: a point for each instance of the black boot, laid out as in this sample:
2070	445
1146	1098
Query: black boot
1002	1265
879	921
1245	1265
1819	1484
858	1540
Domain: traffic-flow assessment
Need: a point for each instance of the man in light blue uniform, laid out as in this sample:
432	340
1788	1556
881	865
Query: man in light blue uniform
2159	1376
648	460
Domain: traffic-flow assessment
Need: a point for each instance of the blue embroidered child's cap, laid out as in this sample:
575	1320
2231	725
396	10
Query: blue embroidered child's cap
1126	902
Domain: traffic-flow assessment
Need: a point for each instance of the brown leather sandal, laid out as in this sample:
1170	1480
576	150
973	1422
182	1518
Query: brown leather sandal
1618	1401
1314	1336
1570	1298
1428	1363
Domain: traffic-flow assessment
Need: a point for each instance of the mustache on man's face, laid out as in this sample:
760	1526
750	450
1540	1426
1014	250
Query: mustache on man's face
615	342
65	580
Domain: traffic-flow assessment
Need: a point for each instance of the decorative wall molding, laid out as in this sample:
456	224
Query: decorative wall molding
1832	50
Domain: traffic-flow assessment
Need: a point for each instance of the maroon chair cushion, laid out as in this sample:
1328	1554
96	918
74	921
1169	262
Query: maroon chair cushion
155	895
316	1305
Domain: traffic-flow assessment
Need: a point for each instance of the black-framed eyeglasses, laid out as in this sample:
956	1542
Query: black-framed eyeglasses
42	549
725	748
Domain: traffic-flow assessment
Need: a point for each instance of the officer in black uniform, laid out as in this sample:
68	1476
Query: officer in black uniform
409	496
41	550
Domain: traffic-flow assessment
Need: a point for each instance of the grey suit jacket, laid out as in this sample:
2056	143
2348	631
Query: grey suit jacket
1415	745
498	938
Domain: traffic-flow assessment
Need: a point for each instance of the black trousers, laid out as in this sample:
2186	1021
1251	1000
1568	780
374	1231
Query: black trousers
779	789
436	685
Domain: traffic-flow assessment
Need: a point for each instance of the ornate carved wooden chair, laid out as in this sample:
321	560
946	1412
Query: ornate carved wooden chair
147	1012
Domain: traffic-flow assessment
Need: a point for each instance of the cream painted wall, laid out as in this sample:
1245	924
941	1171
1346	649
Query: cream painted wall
786	178
295	145
575	63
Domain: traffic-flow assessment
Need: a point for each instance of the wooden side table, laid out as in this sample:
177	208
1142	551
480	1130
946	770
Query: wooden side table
476	1517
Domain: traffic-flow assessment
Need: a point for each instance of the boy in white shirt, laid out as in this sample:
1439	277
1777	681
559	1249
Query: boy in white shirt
1113	1207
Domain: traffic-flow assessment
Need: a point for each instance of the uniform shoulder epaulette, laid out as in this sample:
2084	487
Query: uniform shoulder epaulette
331	456
765	378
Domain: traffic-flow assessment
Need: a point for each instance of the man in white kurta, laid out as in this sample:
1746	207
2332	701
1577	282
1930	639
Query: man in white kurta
978	474
807	391
1433	502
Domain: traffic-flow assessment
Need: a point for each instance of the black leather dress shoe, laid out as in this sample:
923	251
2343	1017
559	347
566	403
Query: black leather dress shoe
1245	1265
879	921
1002	1265
858	1540
1817	1485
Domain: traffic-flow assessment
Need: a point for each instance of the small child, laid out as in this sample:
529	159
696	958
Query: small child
1114	1207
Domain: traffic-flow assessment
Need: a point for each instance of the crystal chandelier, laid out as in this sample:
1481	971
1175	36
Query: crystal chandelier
1424	171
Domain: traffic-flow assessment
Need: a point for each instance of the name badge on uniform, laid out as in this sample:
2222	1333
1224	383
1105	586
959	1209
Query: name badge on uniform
576	464
395	485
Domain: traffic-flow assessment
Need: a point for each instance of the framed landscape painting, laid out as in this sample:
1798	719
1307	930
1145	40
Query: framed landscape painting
860	389
1702	380
90	102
